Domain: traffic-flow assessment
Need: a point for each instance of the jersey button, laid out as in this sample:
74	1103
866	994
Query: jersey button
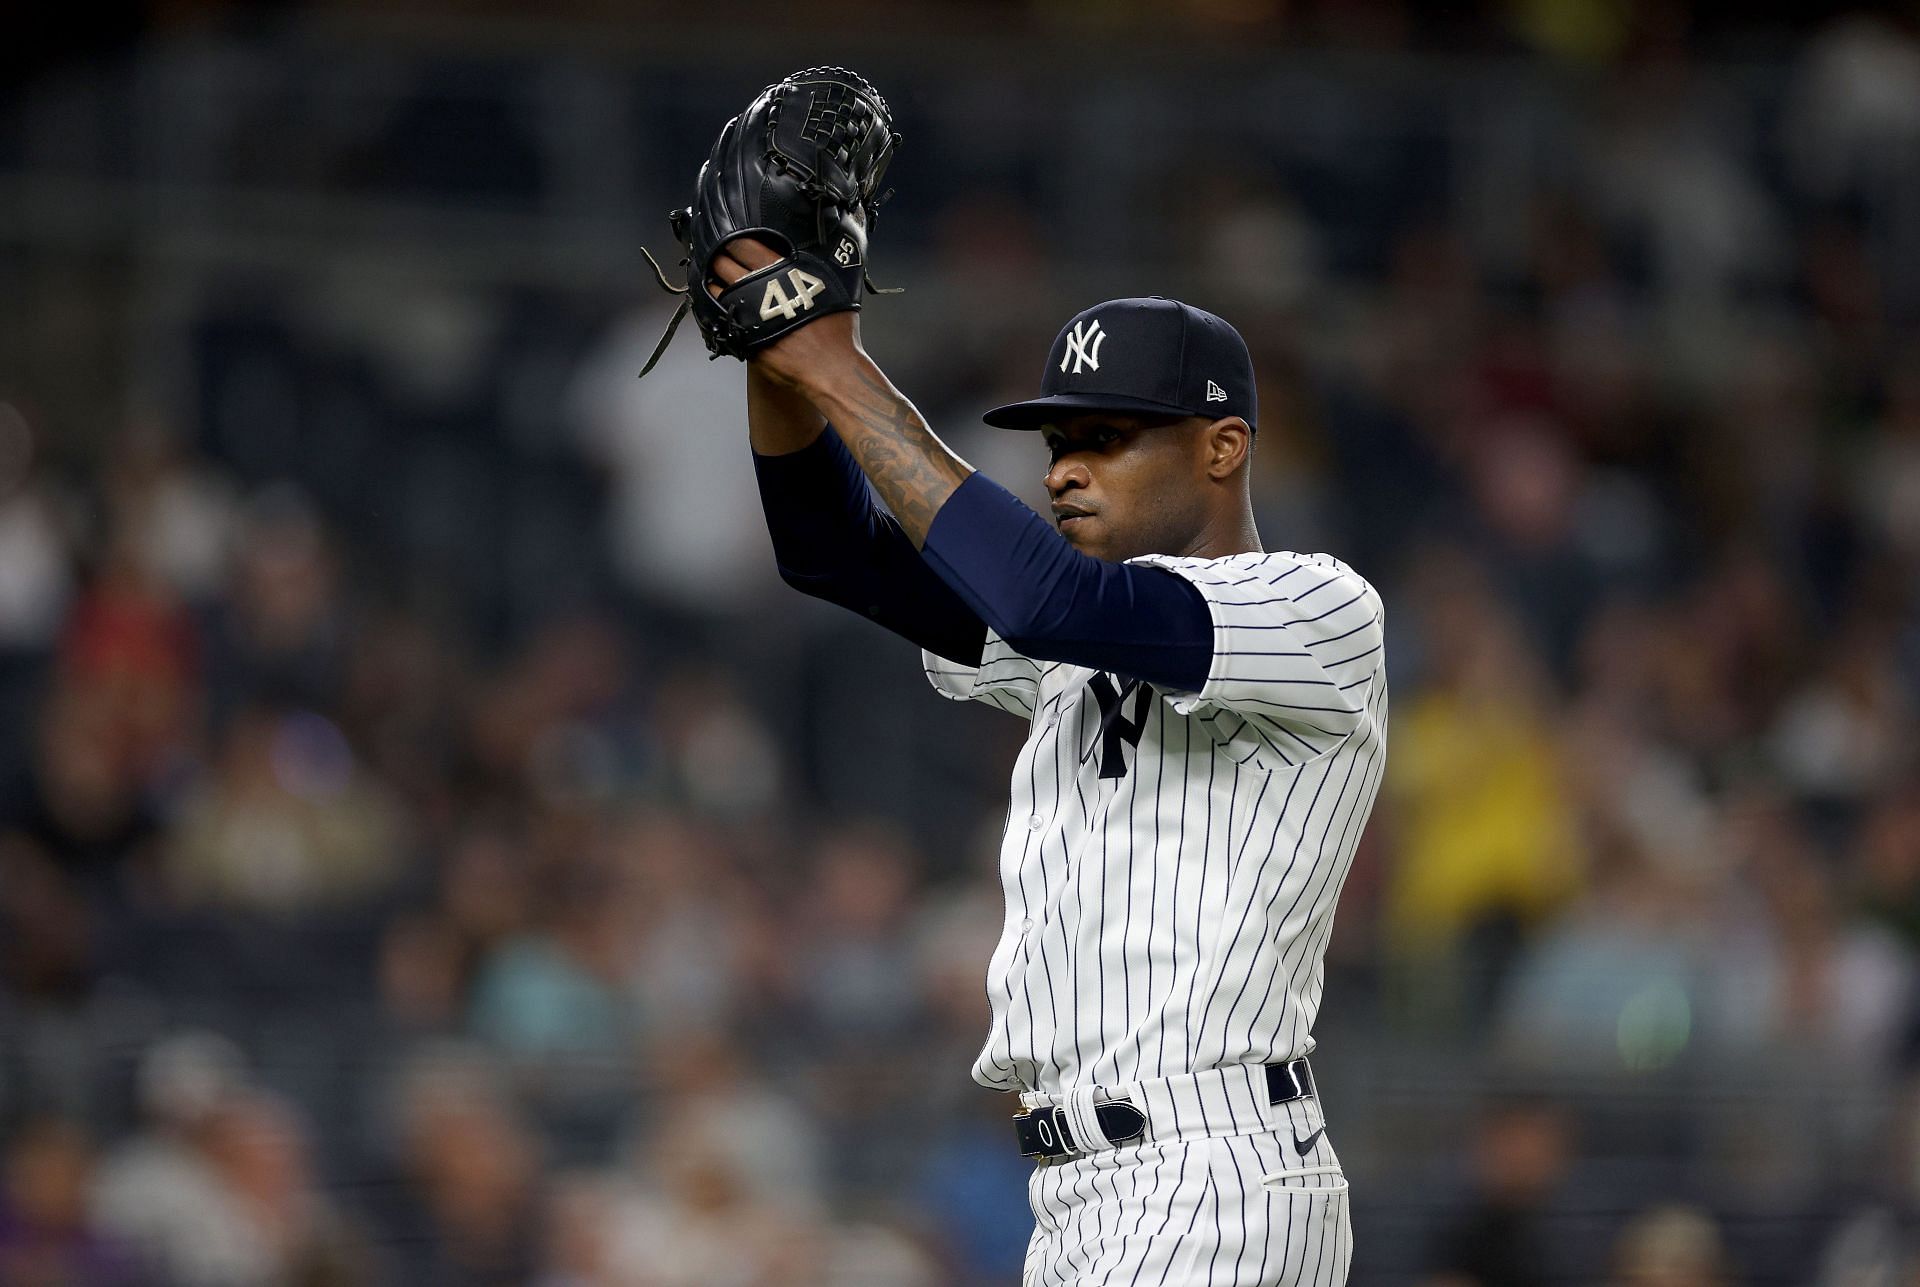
1036	822
1026	926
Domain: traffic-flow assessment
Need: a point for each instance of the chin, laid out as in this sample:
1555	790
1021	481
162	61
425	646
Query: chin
1095	542
1084	542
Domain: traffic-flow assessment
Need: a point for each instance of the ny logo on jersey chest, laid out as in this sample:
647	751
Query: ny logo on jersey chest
1117	731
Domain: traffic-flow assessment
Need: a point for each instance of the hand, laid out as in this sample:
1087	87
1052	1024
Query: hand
800	357
737	258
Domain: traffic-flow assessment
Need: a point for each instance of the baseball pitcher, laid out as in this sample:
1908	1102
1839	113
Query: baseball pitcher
1206	719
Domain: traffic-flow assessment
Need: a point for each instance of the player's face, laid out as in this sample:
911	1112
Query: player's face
1123	486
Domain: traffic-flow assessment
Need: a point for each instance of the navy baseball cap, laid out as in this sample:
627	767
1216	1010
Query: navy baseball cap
1153	356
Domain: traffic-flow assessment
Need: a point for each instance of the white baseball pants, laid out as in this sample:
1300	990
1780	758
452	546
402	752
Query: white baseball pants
1188	1208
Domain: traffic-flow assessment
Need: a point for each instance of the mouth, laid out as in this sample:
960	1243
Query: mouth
1064	515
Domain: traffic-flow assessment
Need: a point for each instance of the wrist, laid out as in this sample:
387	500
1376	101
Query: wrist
815	360
844	379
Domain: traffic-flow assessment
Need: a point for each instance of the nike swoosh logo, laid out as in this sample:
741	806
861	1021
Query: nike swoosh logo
1305	1146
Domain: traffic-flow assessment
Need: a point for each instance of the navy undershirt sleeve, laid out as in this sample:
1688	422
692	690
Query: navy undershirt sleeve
1053	603
834	540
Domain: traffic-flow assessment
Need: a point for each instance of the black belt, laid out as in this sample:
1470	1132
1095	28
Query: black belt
1043	1132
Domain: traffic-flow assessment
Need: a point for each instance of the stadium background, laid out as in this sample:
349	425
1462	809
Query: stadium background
436	850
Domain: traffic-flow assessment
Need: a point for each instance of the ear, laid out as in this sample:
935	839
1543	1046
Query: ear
1227	443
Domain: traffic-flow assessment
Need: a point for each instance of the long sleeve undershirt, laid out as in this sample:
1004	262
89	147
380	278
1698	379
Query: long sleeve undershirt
988	561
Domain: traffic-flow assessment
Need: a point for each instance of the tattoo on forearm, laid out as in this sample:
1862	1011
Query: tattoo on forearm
911	468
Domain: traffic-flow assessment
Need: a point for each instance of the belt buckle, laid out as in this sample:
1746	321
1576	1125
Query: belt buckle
1043	1133
1296	1074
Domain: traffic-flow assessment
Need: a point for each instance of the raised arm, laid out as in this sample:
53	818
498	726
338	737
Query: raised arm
821	374
914	472
780	420
830	539
1001	560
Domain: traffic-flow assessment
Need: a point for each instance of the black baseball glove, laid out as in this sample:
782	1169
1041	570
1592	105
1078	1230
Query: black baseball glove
799	170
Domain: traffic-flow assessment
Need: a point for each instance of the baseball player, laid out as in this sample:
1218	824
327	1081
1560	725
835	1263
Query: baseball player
1206	732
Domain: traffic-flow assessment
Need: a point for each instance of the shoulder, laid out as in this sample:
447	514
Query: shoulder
1287	570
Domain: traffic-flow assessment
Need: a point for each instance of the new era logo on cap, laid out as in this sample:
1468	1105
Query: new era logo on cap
1148	356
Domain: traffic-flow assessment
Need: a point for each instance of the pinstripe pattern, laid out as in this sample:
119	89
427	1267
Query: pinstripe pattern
1222	1212
1175	918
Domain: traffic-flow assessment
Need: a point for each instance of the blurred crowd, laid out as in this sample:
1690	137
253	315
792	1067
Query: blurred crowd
434	849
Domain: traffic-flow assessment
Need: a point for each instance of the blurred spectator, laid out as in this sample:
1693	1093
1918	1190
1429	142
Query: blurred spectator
685	520
1734	650
1517	1158
288	823
1867	1250
957	928
159	1191
855	973
465	1210
700	1216
405	688
129	643
974	1191
1666	181
1616	983
48	928
705	1089
260	1152
556	719
1804	976
1887	471
283	637
1487	839
853	976
1888	869
220	1193
1673	1246
1857	103
486	889
561	988
85	799
708	947
423	977
36	573
1848	732
718	754
46	1237
1255	248
180	511
726	1187
579	1233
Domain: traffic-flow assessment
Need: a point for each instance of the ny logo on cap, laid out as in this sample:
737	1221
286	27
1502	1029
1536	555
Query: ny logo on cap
1083	346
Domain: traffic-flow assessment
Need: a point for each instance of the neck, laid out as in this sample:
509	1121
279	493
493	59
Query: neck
1223	535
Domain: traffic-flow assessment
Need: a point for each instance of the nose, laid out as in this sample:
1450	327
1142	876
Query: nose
1066	474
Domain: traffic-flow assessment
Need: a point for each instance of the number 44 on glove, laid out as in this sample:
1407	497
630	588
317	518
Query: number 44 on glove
775	302
798	170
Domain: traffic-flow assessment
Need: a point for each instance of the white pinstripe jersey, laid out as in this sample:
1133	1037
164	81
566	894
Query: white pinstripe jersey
1171	869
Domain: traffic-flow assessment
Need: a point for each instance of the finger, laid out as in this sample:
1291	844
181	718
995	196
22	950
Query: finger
754	254
736	259
728	269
